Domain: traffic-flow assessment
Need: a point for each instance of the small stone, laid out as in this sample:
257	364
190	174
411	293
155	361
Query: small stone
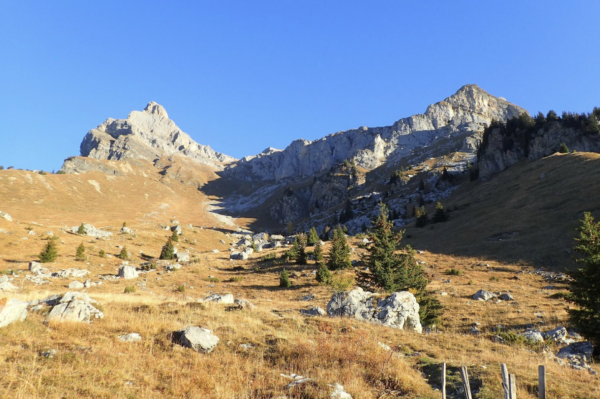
131	337
76	285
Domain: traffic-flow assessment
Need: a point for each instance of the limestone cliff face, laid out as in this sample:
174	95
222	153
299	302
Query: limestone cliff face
500	150
147	134
467	112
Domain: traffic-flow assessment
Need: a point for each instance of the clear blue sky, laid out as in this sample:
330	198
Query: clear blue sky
244	75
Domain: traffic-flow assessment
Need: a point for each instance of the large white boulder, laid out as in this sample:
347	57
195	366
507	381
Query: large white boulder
399	310
128	272
12	310
199	339
92	231
75	306
7	286
225	298
483	295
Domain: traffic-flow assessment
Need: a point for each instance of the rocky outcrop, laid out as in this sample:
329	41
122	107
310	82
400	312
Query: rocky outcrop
12	310
504	147
147	134
197	338
466	112
399	310
75	306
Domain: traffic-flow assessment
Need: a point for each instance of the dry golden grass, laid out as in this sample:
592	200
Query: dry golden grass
92	362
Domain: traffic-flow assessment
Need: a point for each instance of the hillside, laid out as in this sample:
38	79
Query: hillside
528	213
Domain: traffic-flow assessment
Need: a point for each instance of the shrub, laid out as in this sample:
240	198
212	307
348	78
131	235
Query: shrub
81	230
124	224
175	236
284	279
268	257
237	279
341	283
563	149
80	255
212	280
123	254
421	217
494	278
130	289
168	251
49	254
102	254
181	288
454	272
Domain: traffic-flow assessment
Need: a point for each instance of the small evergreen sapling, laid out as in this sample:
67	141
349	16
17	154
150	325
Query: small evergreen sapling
49	254
318	253
284	279
80	255
421	217
81	230
440	215
300	249
123	254
313	237
102	254
168	251
175	236
323	274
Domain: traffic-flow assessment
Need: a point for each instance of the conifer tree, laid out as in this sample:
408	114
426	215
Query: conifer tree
421	217
300	249
395	271
339	256
81	230
49	254
124	254
318	253
313	237
124	224
323	274
80	255
563	149
168	250
284	279
585	291
592	125
175	236
440	215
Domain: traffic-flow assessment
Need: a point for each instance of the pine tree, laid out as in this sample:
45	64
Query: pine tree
440	215
175	236
168	251
123	254
395	271
313	237
124	224
81	230
80	255
49	254
318	253
339	256
284	279
422	218
585	291
592	125
323	274
300	249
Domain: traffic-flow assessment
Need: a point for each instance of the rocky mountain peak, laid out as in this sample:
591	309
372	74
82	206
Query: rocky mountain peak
147	134
156	109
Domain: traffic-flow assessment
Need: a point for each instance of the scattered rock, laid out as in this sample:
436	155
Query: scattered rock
578	348
296	380
226	298
339	392
6	216
238	256
12	310
244	304
7	286
125	230
483	295
76	285
74	306
183	256
315	311
308	297
400	310
506	297
533	336
71	273
557	335
177	228
128	272
49	354
131	337
91	231
199	339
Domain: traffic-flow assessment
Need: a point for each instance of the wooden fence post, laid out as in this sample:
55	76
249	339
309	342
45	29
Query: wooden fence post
542	382
465	380
505	381
443	380
513	386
